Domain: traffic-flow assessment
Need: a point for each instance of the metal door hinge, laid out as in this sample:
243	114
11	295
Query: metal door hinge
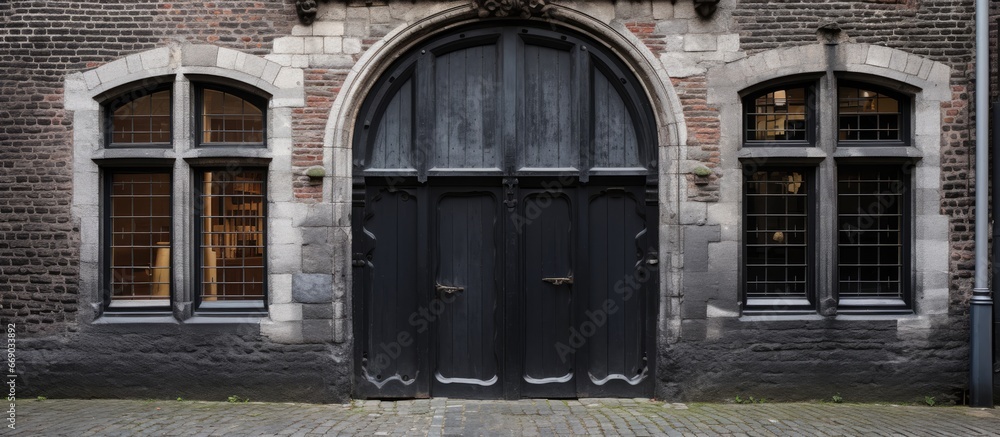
510	193
358	260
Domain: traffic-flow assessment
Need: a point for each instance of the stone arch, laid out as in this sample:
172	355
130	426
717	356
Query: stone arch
86	92
671	129
670	125
926	81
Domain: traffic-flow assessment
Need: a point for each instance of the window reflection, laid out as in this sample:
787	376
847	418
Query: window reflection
143	120
779	115
867	115
227	118
232	235
140	238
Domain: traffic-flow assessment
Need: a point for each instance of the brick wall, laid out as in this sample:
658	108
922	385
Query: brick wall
41	42
940	30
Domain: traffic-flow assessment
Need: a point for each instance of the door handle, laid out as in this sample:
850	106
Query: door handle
448	289
559	281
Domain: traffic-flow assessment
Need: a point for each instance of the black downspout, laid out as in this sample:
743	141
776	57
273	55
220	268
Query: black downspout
995	208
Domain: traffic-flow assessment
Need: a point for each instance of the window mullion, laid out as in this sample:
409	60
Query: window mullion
183	238
825	223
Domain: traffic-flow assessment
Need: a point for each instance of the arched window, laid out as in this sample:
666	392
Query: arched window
866	188
140	119
142	207
869	114
228	117
780	115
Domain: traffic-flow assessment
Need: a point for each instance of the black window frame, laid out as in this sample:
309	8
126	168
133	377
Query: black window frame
107	234
810	86
248	307
825	160
904	103
787	306
904	304
256	100
123	98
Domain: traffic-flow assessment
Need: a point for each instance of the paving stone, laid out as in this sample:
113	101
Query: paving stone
467	417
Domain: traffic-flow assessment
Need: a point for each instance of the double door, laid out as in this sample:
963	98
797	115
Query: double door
504	288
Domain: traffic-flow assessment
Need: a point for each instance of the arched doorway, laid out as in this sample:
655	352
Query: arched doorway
504	221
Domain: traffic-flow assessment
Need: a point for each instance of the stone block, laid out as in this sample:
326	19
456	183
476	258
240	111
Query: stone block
672	27
380	14
270	72
227	59
933	227
280	289
282	332
312	45
680	65
913	65
289	78
285	312
352	45
317	331
663	9
696	239
729	42
701	43
879	56
253	66
925	69
317	252
284	258
299	61
282	60
112	71
156	58
197	55
312	288
898	61
692	329
91	78
333	44
312	311
292	45
134	63
343	62
693	213
318	215
631	10
301	30
685	10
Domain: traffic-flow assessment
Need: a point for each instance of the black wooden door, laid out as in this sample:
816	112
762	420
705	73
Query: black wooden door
467	272
545	233
505	220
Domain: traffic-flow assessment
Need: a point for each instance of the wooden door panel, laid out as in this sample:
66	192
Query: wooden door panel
546	229
466	259
390	355
615	321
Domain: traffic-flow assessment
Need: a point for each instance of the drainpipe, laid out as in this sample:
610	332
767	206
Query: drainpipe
981	311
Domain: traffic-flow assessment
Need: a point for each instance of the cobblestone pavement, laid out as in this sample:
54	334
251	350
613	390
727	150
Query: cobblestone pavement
436	417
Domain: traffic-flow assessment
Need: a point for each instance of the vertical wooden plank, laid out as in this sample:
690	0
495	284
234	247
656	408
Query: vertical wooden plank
599	258
389	368
492	143
405	133
466	231
423	156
